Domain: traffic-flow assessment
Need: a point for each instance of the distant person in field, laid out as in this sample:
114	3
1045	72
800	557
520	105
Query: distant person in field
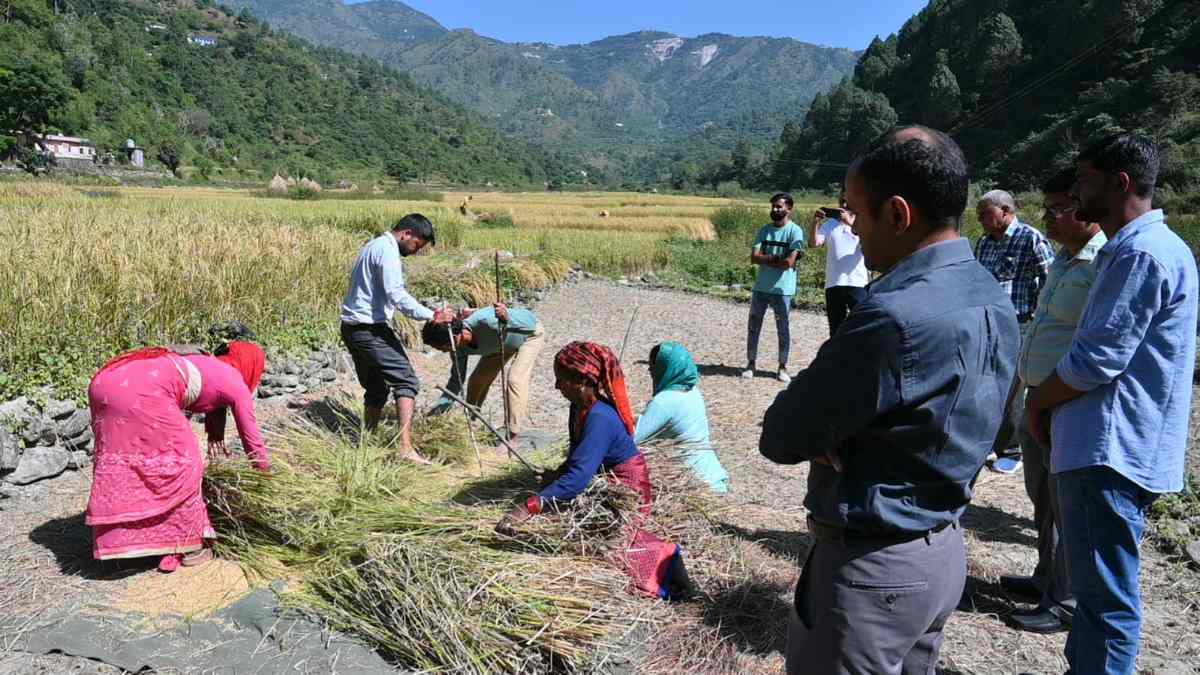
677	413
1046	340
1116	408
146	497
776	248
487	333
845	272
1018	256
896	413
376	291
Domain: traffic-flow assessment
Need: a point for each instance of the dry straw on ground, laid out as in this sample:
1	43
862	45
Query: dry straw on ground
407	557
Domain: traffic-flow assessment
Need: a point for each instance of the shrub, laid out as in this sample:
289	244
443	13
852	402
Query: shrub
740	221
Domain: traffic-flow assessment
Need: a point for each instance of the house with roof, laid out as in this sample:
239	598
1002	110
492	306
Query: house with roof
67	147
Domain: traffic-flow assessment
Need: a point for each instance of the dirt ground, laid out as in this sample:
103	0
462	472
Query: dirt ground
47	566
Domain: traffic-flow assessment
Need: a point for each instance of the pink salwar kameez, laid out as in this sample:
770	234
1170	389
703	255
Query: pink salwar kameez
146	492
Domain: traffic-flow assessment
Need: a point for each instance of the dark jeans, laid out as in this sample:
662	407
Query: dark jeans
1103	517
863	608
1051	573
839	300
780	305
380	362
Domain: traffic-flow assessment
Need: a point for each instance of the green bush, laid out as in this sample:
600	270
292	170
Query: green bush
739	221
499	221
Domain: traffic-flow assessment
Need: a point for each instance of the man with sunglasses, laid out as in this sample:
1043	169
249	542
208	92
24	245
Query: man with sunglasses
1047	338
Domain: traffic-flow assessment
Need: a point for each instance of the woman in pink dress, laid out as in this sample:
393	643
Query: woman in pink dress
146	498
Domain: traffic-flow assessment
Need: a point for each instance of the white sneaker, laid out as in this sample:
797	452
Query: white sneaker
747	373
784	377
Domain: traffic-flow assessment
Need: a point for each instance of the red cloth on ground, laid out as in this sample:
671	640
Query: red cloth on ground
597	363
249	360
646	558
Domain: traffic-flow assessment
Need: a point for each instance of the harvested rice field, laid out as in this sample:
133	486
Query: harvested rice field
537	605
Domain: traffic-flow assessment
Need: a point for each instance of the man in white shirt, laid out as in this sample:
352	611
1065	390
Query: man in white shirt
845	272
376	291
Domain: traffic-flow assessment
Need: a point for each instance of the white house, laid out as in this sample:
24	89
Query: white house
202	40
68	147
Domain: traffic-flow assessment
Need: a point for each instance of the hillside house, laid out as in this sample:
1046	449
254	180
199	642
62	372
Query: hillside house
68	147
202	40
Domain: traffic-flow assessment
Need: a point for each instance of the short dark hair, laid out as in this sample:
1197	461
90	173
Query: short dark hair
437	335
930	174
1060	182
419	225
1132	154
787	199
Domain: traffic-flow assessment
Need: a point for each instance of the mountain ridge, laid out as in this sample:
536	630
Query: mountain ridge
638	88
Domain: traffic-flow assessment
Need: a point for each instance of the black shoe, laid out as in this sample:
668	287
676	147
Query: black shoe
1037	620
1024	586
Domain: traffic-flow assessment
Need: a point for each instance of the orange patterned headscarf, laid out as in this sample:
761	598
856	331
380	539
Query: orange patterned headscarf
597	364
249	360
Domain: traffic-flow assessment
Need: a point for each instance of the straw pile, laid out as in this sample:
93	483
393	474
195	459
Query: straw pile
407	558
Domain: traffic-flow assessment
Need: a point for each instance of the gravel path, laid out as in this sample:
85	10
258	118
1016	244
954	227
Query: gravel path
49	559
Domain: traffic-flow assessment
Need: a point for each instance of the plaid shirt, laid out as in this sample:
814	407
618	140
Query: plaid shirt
1019	262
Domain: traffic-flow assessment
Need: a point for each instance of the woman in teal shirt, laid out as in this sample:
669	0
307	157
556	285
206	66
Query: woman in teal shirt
677	413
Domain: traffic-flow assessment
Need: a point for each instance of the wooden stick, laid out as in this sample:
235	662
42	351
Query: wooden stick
628	330
503	361
472	410
463	383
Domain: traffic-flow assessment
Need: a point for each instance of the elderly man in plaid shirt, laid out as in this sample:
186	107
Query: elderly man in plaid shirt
1018	256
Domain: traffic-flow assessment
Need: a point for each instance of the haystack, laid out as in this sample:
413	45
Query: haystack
277	186
309	184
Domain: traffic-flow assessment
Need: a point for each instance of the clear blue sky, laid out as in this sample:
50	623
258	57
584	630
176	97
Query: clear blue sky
849	23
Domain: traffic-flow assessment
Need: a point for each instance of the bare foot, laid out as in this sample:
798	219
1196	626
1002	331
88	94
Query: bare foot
197	558
414	457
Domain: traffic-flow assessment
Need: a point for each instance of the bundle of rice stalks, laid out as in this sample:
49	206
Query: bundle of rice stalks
447	439
475	610
381	548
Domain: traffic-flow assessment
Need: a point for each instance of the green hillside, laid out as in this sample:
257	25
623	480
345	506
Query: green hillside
257	100
1022	86
607	99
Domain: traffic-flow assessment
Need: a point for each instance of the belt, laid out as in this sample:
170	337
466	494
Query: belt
840	535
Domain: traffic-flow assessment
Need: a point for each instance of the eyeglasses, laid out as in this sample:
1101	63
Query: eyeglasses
1058	212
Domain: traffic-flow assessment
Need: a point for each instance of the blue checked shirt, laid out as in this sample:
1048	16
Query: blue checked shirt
1019	262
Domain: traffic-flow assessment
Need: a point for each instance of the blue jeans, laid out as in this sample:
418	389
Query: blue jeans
780	305
1103	517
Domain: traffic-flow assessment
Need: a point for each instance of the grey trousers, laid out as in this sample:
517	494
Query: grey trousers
865	609
781	306
1051	573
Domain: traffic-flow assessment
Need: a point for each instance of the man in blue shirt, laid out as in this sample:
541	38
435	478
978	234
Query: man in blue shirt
376	291
775	251
1120	398
897	413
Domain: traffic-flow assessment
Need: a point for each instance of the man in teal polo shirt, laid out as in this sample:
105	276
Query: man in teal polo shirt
776	248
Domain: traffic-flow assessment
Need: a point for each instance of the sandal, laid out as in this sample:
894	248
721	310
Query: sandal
197	558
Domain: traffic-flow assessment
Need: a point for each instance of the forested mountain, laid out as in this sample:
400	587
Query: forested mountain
188	80
1021	85
610	96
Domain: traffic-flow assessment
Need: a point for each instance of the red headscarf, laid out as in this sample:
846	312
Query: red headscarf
249	360
598	364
